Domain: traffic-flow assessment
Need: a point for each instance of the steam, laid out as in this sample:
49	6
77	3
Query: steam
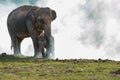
83	28
87	25
93	25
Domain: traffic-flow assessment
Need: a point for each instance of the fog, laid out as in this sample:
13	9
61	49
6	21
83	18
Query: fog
83	29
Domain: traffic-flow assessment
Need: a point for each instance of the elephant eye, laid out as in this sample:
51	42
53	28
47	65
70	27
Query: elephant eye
42	21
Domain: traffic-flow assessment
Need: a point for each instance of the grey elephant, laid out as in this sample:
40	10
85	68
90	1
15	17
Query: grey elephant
42	41
30	21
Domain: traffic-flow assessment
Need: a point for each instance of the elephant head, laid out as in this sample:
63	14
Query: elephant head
43	17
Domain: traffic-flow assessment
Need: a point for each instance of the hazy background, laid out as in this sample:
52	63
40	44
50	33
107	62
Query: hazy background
83	29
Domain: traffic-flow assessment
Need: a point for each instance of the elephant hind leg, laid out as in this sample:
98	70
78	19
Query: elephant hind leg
16	45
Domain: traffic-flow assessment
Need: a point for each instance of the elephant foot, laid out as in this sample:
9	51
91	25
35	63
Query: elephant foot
18	55
49	56
38	56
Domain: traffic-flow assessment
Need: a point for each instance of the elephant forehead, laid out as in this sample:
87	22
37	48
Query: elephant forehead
44	10
43	16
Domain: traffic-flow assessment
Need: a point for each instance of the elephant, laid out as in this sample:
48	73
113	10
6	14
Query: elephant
30	21
42	41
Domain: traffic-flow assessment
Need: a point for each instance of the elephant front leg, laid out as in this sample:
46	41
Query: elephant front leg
37	51
50	49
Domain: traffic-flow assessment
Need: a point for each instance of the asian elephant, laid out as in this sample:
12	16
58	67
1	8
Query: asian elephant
30	21
43	42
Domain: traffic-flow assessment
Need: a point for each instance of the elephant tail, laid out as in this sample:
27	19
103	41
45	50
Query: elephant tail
11	45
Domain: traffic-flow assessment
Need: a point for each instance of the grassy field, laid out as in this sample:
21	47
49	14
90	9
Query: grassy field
16	68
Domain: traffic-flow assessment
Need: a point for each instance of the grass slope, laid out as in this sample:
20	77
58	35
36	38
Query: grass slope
16	68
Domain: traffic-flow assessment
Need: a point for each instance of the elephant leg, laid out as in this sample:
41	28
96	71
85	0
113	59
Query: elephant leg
50	49
37	52
16	45
43	52
19	44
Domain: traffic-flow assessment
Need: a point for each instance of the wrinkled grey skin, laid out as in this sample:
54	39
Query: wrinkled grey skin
30	21
42	41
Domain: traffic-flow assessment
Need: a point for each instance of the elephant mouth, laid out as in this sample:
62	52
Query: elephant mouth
39	27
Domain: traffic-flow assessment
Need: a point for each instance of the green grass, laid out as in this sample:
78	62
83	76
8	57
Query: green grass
29	68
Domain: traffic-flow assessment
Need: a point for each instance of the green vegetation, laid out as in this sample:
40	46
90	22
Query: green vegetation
29	68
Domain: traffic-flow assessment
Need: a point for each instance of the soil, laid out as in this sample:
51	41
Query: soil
117	72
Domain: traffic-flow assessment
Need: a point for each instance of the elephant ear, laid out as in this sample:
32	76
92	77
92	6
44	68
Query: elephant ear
34	12
54	15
